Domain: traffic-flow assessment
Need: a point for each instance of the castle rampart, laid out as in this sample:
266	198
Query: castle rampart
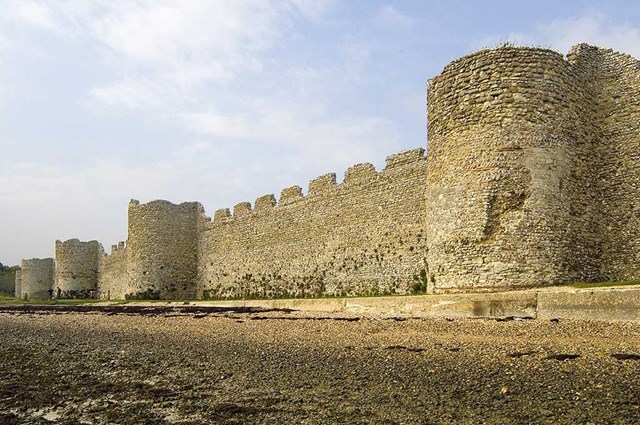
363	236
18	290
113	279
36	278
531	178
77	268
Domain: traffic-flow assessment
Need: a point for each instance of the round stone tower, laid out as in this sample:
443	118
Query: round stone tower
77	265
508	201
162	249
36	278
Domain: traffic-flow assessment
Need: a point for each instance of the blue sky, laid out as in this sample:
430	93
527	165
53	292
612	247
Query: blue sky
223	101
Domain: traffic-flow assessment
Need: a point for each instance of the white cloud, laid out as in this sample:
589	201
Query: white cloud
312	141
591	27
388	16
131	93
219	125
33	13
174	45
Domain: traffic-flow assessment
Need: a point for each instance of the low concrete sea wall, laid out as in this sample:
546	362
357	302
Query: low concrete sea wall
615	303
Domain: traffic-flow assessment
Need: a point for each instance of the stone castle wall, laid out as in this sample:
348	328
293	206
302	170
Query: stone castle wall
363	236
532	177
77	267
36	278
113	279
18	291
616	81
162	249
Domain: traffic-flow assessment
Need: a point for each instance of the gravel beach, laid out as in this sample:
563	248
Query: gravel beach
200	366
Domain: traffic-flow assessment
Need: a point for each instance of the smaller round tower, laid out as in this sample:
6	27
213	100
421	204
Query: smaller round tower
162	249
77	266
36	278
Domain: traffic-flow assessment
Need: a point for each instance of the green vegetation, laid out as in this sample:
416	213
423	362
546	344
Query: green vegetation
4	268
587	285
420	283
149	294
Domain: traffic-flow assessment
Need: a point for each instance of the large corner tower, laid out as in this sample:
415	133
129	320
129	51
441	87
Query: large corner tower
531	165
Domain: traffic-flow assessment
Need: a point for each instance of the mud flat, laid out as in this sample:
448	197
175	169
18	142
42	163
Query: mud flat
235	366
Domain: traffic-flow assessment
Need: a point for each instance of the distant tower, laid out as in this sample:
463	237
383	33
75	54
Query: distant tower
36	278
162	249
77	265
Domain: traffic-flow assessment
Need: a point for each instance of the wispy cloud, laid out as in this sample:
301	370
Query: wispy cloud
173	47
593	27
390	17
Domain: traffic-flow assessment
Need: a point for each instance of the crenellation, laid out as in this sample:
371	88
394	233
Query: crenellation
322	184
360	173
265	203
404	158
221	215
345	239
290	195
241	209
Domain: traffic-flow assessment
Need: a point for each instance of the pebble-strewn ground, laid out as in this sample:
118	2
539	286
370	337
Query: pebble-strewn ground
265	367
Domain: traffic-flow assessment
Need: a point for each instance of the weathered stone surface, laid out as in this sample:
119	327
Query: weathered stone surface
364	236
18	293
533	168
77	267
113	279
162	248
36	278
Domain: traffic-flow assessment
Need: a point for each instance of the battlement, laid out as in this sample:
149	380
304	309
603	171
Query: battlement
322	184
221	215
404	158
265	203
360	173
290	195
242	209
